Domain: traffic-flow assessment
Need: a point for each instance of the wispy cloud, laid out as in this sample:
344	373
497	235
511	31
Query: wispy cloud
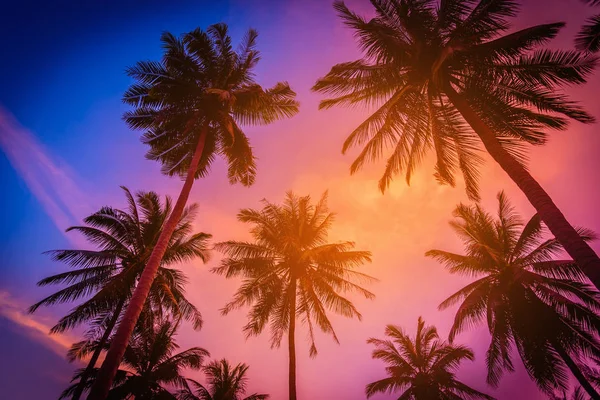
49	179
34	326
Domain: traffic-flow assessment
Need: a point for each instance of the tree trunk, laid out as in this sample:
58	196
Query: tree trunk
98	351
585	384
554	219
292	342
121	339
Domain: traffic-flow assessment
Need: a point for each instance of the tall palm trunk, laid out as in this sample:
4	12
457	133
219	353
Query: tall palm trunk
92	363
292	342
585	384
120	340
554	219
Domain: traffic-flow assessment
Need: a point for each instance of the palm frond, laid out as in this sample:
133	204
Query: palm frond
588	38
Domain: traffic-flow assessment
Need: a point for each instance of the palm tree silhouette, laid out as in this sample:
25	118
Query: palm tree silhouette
588	38
150	363
109	274
291	271
531	301
445	79
423	367
190	105
225	382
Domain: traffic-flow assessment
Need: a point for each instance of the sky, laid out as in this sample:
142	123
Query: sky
66	150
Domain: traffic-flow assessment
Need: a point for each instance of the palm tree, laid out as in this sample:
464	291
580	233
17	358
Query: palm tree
190	106
529	300
445	78
109	274
423	367
588	38
224	383
150	364
291	271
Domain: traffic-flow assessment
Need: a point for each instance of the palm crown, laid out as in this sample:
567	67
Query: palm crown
151	363
124	240
202	86
417	54
530	300
290	268
422	367
291	271
225	382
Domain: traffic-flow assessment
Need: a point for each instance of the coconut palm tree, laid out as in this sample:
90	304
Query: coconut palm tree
423	367
191	106
588	38
290	272
530	300
445	78
108	275
225	382
149	364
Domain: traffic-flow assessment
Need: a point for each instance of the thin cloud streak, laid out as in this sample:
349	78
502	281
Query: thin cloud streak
49	179
12	310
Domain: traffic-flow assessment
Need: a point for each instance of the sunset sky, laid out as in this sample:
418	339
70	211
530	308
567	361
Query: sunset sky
66	150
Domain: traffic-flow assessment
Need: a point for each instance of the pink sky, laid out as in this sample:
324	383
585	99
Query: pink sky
303	154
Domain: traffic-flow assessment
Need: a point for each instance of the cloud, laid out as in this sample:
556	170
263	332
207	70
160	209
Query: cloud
35	327
49	179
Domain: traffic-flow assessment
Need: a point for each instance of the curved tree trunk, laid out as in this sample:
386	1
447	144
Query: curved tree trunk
554	219
98	351
585	384
292	342
121	339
